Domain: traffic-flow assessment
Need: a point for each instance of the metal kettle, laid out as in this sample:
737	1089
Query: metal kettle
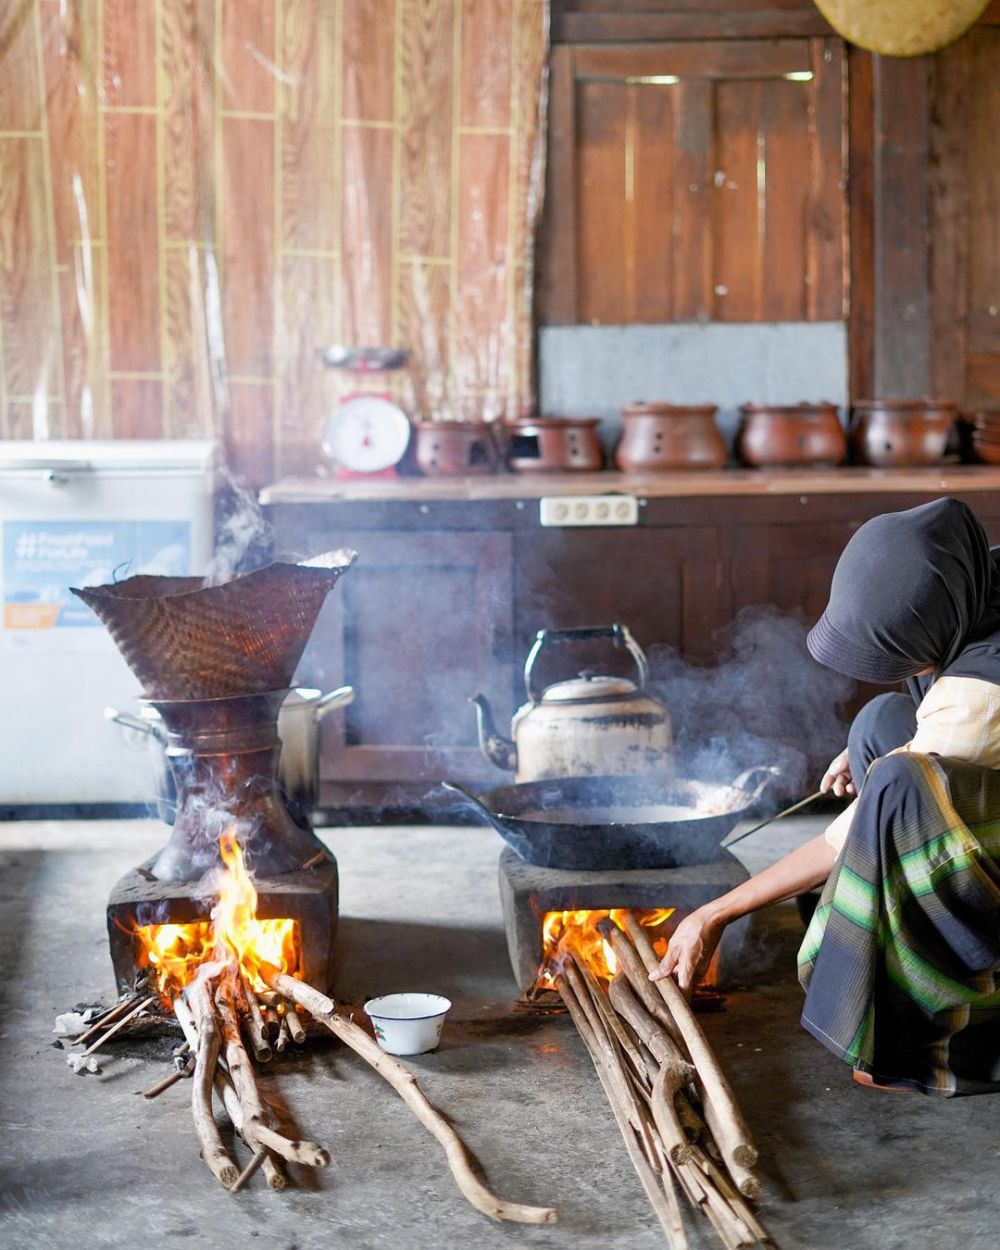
590	725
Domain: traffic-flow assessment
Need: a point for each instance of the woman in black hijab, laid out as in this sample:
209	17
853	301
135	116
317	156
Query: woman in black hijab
900	962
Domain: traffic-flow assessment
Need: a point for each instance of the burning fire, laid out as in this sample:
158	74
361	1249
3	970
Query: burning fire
233	935
578	931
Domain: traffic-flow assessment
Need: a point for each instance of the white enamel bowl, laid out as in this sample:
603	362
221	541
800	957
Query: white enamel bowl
408	1024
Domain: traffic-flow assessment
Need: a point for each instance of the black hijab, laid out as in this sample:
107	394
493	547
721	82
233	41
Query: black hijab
914	589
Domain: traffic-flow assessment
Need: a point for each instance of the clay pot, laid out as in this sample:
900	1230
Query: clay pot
894	432
454	447
774	436
660	437
553	445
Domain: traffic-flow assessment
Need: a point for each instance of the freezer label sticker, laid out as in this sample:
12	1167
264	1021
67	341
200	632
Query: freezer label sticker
42	559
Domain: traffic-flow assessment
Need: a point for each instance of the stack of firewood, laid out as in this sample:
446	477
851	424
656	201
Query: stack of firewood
214	1012
674	1107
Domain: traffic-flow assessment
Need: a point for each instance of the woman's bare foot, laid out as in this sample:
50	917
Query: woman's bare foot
865	1079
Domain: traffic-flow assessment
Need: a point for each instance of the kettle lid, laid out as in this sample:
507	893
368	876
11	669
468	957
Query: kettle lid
589	688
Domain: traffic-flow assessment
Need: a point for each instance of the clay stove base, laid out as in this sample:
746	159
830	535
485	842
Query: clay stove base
309	896
528	892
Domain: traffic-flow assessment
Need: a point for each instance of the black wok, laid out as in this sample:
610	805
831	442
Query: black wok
590	824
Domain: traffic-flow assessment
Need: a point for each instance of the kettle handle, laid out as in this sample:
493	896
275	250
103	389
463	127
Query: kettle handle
619	634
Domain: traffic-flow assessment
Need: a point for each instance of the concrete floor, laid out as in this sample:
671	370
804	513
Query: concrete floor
84	1161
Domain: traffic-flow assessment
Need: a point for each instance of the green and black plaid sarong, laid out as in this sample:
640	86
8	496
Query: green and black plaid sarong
900	963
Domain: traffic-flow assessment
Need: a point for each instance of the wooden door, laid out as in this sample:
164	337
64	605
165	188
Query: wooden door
699	180
423	622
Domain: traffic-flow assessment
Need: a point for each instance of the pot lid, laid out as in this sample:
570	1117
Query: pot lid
589	688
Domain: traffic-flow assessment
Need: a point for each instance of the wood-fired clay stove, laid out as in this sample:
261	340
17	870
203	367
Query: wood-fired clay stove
216	662
528	893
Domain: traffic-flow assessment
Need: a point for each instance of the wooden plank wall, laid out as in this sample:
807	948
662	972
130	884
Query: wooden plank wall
965	220
195	195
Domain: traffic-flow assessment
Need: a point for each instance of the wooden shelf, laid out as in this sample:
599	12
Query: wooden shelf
728	482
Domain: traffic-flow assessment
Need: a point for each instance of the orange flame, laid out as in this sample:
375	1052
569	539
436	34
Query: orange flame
175	952
577	930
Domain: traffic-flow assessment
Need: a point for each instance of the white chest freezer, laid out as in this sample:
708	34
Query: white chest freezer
79	513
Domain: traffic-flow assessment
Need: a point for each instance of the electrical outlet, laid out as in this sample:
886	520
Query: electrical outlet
567	510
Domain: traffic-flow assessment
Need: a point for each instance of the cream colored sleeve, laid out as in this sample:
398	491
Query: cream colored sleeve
959	717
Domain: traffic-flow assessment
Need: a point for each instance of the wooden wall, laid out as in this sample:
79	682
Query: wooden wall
964	207
195	195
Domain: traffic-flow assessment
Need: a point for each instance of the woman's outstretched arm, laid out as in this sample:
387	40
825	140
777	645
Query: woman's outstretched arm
694	940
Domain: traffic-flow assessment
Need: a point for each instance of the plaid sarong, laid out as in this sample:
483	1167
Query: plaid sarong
901	959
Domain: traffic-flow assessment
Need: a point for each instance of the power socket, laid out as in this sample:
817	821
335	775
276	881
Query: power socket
568	510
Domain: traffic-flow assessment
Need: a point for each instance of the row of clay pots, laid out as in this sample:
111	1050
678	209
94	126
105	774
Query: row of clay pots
661	437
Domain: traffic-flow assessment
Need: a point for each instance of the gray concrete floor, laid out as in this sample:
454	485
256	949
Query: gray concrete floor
86	1162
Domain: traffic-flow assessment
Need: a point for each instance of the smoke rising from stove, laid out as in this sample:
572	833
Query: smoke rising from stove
764	701
241	529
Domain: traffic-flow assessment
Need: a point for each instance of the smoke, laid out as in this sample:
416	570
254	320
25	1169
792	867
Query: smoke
764	701
241	531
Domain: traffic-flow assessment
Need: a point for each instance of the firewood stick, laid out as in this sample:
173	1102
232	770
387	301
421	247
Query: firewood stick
603	1005
694	1125
207	1053
183	1070
604	1039
105	1018
256	1131
256	1161
274	1173
253	1022
668	1179
673	1230
673	1074
732	1195
273	1022
275	1176
665	1116
630	967
722	1114
295	1025
650	1030
746	1180
405	1084
120	1024
283	1038
736	1232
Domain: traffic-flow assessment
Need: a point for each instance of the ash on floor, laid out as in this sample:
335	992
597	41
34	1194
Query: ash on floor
85	1161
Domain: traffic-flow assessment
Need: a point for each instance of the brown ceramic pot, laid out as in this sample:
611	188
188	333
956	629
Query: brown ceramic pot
553	445
775	436
894	432
445	448
661	437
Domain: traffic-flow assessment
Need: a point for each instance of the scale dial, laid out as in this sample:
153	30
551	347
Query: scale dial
366	434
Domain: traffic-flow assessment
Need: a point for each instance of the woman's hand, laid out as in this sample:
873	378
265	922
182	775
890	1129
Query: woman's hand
691	948
838	777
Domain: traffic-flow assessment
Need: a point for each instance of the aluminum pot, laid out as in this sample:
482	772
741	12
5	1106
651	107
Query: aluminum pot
298	767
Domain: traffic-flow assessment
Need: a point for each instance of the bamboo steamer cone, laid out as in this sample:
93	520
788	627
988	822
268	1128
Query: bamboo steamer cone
185	640
901	27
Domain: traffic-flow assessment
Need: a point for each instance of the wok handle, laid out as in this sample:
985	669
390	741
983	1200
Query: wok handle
618	633
472	801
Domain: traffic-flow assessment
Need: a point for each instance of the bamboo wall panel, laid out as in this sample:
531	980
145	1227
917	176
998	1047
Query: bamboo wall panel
198	195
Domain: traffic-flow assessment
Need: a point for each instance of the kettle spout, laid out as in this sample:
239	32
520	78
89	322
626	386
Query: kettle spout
499	750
